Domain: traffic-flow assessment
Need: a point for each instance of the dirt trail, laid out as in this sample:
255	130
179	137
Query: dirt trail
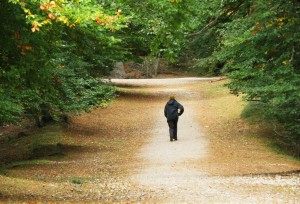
168	163
168	166
122	154
171	169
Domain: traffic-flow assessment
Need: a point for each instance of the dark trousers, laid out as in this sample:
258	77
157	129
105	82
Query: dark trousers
173	129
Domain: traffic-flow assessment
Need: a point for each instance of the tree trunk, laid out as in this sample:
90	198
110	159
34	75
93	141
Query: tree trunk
156	65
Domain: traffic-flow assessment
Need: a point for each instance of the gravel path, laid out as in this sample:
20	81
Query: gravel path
168	169
168	163
122	154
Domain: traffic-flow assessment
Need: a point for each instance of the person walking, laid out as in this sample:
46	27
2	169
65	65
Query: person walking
172	111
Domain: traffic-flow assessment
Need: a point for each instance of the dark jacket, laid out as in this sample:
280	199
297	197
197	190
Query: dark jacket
171	110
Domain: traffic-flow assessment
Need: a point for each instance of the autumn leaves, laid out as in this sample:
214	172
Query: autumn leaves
70	15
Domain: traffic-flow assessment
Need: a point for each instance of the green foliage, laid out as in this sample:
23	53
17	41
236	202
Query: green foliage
160	27
9	111
254	112
261	47
52	52
52	69
76	181
209	66
258	42
258	113
203	40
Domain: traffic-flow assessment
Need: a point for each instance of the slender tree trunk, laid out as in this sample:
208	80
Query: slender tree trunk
156	65
147	67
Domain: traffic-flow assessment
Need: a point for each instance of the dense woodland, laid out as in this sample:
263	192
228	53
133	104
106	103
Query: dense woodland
53	53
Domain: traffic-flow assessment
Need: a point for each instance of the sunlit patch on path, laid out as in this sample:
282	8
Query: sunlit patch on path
170	163
168	170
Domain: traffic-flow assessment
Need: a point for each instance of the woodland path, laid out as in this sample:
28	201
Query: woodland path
170	170
122	153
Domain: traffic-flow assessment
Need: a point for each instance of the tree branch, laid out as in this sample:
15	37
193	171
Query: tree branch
292	57
215	21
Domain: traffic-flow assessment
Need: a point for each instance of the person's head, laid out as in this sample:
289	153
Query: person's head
172	97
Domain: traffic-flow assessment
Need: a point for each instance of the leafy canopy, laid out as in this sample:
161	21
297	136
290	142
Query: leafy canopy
51	55
259	43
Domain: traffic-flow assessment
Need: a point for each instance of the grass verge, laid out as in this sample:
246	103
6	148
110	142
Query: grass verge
237	146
